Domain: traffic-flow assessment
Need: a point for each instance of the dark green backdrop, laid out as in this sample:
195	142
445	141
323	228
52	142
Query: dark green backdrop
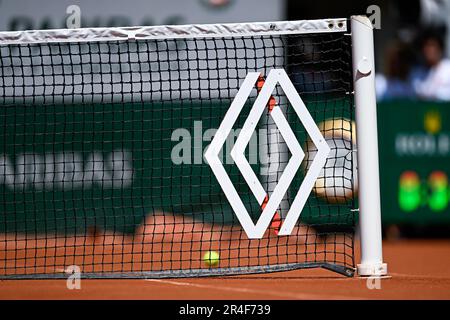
414	137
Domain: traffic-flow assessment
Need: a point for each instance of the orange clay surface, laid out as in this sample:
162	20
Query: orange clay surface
419	269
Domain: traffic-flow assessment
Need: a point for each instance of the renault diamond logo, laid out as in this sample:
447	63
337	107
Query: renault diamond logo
276	76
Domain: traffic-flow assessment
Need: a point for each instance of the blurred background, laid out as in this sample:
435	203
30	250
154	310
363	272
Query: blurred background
412	46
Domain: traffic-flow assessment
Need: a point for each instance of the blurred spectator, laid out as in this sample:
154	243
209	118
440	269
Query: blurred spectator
432	80
437	13
396	82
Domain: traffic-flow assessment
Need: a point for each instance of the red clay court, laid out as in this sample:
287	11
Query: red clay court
418	269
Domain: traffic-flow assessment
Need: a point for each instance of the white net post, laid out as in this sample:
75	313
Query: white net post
367	146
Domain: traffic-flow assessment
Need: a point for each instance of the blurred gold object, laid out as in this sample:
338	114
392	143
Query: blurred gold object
337	182
432	122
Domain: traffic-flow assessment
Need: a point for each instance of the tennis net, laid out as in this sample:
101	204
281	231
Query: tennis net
106	162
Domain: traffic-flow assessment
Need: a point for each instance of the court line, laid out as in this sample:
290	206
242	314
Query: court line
418	276
278	294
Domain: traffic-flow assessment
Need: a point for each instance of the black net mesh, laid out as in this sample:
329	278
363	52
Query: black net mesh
101	156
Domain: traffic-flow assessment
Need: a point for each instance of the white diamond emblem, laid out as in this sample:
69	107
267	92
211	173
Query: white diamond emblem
276	76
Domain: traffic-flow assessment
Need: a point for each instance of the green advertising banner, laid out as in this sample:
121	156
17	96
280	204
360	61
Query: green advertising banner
65	168
68	167
414	143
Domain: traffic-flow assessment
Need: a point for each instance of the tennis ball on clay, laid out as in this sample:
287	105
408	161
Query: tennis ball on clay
211	258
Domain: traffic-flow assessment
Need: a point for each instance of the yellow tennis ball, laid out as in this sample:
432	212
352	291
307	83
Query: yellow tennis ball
211	258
